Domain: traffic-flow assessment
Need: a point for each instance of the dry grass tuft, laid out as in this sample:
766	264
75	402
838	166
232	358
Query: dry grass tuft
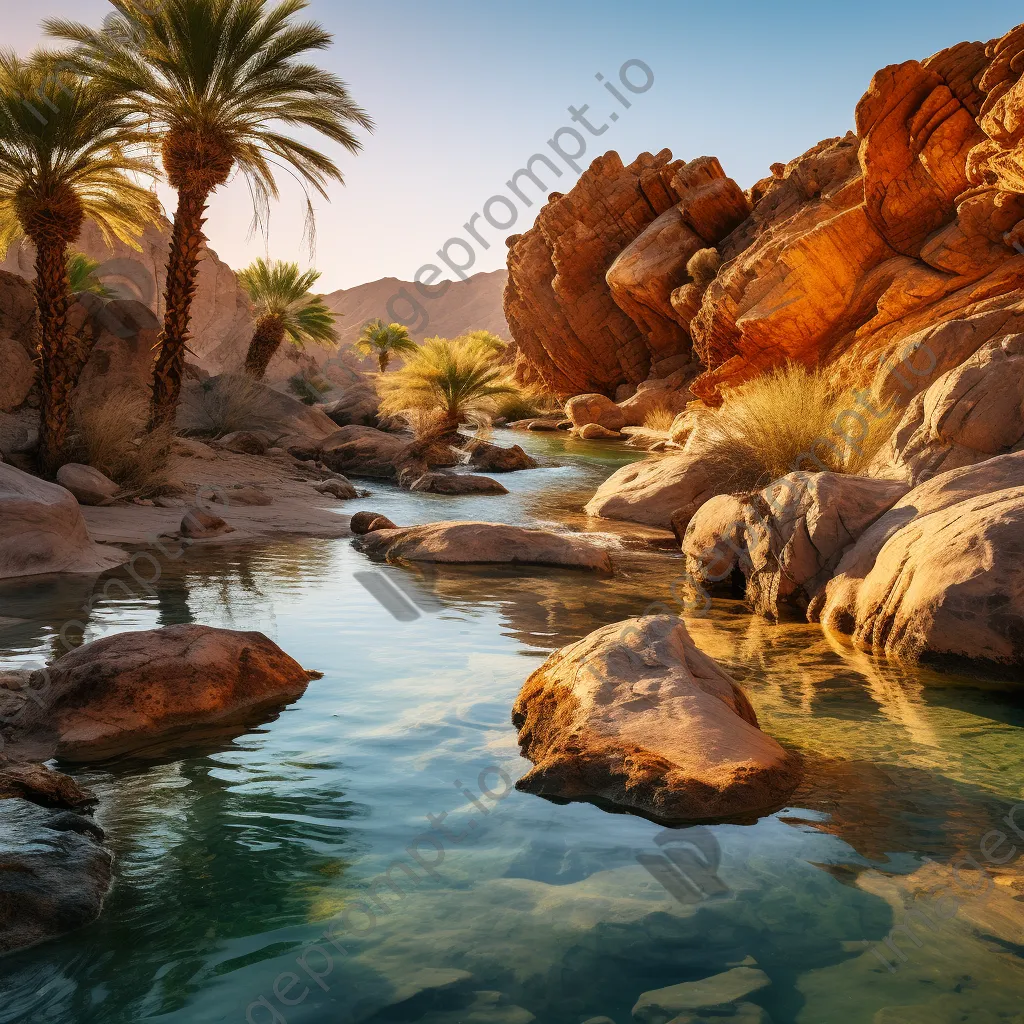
660	418
787	420
703	266
228	403
114	438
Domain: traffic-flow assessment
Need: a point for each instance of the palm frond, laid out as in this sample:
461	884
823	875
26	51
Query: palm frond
282	290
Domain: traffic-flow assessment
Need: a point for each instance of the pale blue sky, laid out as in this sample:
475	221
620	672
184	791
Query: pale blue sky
463	91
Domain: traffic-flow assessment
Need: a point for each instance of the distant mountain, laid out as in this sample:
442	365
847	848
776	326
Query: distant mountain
470	305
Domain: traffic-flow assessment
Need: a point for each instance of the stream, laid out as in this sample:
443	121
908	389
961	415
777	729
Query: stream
235	859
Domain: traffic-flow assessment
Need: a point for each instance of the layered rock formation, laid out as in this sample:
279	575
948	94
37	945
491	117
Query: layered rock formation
856	252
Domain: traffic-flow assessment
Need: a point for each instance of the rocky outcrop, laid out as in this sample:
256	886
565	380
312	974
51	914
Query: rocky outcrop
971	413
473	543
939	577
637	716
42	530
131	690
851	255
788	538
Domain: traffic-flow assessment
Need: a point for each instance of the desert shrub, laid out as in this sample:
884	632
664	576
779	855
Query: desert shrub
703	265
227	403
461	380
789	419
308	388
660	418
113	437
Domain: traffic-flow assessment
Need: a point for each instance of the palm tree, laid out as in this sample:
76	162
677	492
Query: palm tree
219	83
82	276
457	380
284	307
64	156
384	341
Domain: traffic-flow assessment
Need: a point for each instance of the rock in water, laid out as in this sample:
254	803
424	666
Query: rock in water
126	691
484	543
598	409
88	485
367	522
595	432
456	483
42	530
940	576
492	458
709	996
637	716
54	873
199	524
341	489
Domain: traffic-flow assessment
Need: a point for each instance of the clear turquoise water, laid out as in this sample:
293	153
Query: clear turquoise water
232	862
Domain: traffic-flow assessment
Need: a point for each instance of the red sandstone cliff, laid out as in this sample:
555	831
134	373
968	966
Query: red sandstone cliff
849	253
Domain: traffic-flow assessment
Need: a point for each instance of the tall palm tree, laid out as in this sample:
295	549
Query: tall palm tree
384	341
64	156
456	380
219	83
82	275
284	307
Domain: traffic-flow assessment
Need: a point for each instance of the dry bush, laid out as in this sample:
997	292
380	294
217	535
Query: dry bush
113	437
228	403
790	419
660	418
703	266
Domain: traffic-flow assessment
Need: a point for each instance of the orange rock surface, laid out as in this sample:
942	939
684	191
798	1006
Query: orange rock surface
848	254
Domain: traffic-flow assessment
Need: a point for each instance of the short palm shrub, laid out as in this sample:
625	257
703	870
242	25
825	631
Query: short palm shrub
792	418
384	341
459	381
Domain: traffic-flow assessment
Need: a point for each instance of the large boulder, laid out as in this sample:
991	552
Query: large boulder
940	576
356	405
362	452
42	530
88	485
637	716
471	543
599	409
128	691
971	413
492	458
232	402
788	538
654	490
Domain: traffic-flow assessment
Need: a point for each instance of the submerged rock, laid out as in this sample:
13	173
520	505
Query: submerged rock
42	530
126	691
636	715
941	575
484	543
88	485
710	994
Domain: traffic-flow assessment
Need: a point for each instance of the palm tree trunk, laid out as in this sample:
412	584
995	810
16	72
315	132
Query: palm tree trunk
182	268
53	297
382	361
266	340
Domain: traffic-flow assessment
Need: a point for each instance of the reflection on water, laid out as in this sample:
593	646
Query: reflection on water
231	863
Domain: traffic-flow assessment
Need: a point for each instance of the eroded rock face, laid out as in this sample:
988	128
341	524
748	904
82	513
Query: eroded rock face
846	255
939	577
788	538
42	530
17	341
969	414
637	716
469	543
128	691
